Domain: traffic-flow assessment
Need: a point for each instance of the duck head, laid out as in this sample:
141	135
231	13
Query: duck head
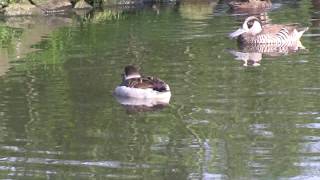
130	72
251	25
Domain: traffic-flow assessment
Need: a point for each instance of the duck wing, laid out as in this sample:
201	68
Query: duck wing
276	28
146	83
249	4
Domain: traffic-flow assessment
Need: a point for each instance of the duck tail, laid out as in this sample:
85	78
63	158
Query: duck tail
302	30
160	86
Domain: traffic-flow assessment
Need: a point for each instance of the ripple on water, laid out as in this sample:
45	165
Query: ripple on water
21	171
261	129
311	147
309	162
106	164
17	149
309	125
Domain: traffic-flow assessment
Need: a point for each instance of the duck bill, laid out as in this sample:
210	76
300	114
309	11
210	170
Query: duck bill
237	33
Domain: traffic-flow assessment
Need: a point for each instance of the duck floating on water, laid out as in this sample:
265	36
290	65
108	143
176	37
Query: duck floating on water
134	85
250	4
253	32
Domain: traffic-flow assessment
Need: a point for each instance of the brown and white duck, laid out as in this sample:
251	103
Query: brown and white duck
253	32
134	85
250	4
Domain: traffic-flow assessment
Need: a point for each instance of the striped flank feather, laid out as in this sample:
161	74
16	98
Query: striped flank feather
252	32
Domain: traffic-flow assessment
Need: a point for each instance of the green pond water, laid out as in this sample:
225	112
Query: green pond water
60	120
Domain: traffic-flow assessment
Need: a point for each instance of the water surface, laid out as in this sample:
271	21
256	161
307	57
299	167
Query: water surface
59	119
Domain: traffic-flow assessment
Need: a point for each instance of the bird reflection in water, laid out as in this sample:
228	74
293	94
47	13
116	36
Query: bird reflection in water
252	55
136	105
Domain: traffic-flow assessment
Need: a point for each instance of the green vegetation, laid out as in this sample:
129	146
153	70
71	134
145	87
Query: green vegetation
8	35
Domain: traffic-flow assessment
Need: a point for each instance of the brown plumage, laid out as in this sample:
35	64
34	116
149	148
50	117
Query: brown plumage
276	28
253	32
250	4
145	83
133	79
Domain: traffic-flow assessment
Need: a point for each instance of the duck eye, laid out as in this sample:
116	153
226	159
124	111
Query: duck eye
250	24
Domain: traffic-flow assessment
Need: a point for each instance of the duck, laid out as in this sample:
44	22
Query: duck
250	4
134	85
253	32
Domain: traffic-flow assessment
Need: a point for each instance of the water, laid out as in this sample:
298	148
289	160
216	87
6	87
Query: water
59	119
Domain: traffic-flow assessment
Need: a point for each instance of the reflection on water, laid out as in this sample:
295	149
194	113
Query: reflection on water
196	11
249	58
142	105
4	62
34	30
60	120
252	55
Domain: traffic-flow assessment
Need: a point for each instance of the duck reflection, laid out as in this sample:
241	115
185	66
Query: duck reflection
134	105
251	59
252	55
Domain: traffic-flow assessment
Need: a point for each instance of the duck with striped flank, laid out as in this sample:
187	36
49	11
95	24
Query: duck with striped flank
253	32
134	85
